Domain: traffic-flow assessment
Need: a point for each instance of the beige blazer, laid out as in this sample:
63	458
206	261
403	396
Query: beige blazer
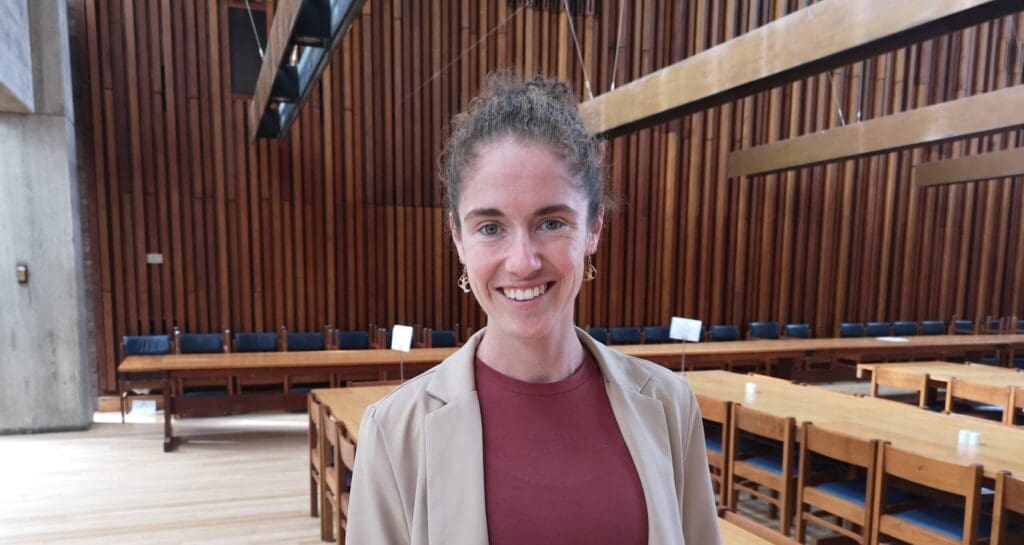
419	473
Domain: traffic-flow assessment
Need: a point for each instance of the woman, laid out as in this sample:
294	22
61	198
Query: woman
532	432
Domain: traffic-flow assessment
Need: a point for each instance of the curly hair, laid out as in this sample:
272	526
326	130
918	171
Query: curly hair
540	110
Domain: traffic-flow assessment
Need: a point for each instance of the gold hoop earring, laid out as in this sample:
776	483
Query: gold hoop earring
464	280
590	272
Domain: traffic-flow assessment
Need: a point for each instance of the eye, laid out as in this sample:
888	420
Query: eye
552	224
488	229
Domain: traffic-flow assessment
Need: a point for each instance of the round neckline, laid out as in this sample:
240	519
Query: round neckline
578	377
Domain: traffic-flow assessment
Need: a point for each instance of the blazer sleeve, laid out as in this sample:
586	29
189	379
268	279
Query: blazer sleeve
376	514
697	497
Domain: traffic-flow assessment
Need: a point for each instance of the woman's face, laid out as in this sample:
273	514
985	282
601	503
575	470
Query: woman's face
523	237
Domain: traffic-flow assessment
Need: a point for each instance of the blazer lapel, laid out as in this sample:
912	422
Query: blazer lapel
453	439
642	422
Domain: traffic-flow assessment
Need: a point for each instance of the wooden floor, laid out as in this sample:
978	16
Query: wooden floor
237	480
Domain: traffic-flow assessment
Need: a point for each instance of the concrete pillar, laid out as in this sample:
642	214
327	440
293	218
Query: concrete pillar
44	324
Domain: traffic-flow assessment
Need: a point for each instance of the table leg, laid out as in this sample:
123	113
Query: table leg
170	442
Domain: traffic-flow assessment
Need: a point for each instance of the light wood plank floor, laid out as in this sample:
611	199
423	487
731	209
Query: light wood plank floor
241	479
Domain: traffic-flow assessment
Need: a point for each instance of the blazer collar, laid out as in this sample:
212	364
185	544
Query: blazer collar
455	378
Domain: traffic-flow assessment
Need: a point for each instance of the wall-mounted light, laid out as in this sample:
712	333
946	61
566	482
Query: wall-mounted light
22	269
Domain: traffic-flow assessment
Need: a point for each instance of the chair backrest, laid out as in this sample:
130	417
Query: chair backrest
763	424
147	345
352	340
200	343
1009	499
763	330
255	342
963	327
304	342
625	335
714	410
933	327
851	329
918	382
904	329
599	334
656	335
981	393
960	480
725	332
839	446
798	331
994	325
877	329
442	338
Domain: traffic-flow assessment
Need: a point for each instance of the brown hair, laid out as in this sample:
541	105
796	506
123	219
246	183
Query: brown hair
541	110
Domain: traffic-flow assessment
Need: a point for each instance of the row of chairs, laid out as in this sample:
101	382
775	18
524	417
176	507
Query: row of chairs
859	489
332	454
999	402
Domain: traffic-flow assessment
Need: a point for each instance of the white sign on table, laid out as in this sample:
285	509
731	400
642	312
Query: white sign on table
401	340
684	329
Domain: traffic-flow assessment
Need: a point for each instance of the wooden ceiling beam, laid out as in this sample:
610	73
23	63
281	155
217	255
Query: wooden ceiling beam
820	37
972	116
987	166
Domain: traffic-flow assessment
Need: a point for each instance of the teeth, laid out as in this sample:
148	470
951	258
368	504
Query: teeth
525	294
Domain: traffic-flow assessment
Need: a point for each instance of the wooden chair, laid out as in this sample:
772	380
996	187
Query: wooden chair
1009	499
140	345
716	437
934	524
316	453
848	497
990	394
337	467
624	335
1016	404
771	467
898	379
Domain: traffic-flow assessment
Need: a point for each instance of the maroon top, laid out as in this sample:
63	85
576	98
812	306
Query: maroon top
556	468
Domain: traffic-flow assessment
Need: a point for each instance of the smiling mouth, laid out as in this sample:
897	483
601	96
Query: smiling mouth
526	294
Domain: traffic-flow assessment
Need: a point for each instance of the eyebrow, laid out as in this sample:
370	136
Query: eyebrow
543	211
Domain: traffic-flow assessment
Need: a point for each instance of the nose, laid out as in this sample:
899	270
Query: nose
523	257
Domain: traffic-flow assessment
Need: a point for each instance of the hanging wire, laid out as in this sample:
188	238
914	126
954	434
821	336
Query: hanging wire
467	50
255	33
618	39
579	52
835	97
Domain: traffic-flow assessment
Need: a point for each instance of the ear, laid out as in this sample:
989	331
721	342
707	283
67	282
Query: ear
594	233
456	237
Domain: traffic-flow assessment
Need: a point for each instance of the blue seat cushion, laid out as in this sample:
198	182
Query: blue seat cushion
764	330
877	329
904	329
933	327
944	519
854	491
713	443
200	343
353	340
798	331
656	335
725	332
773	463
851	330
301	342
147	345
599	334
255	342
443	338
625	335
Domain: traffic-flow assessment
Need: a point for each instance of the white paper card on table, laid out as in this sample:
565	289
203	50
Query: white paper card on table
401	338
685	329
894	339
143	406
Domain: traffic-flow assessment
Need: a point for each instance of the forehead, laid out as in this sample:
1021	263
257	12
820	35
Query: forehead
513	176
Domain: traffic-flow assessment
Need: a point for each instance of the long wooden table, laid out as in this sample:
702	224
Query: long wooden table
944	372
905	426
342	365
347	405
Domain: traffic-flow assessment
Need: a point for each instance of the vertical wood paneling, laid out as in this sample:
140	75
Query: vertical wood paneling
342	222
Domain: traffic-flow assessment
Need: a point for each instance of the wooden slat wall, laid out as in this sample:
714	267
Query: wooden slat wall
340	222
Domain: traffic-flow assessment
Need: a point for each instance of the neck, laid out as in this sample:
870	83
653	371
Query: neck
550	358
